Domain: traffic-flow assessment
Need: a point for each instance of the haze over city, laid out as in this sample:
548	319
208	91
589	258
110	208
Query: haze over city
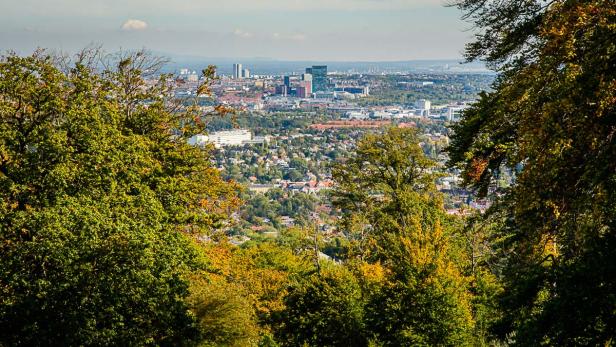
320	30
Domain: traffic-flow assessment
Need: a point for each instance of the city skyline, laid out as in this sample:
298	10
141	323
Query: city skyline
337	30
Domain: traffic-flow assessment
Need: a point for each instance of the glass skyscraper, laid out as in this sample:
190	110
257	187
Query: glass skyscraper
319	78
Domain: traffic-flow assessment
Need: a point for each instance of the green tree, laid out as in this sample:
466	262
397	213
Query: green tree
423	298
99	194
551	119
323	309
224	314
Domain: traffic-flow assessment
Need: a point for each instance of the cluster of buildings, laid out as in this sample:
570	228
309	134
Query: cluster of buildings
314	83
189	76
422	109
299	86
326	117
239	72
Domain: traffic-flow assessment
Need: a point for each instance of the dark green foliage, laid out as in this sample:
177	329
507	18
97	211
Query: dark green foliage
417	312
224	315
324	309
86	272
551	118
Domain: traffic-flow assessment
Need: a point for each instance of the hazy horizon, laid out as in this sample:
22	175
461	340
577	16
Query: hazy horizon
320	30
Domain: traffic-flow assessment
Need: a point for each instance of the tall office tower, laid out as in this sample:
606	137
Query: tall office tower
237	71
307	79
319	78
309	70
305	89
246	73
287	81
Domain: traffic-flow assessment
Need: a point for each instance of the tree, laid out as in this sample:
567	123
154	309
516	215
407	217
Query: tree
423	298
551	119
243	290
324	309
224	314
99	195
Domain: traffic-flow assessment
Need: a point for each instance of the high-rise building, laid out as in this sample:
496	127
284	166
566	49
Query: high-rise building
287	81
237	71
319	78
307	82
307	85
246	73
307	77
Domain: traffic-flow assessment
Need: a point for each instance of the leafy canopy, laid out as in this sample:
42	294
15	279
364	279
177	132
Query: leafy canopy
99	194
551	119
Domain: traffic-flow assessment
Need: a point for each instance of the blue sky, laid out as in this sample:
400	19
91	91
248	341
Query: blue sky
366	30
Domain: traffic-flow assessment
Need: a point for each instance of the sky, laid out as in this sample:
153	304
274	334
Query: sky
320	30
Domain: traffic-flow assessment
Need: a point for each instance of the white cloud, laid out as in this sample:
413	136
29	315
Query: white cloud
134	24
289	37
243	34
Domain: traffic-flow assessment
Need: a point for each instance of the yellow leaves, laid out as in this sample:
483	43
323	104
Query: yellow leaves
605	95
572	72
561	146
550	246
419	255
261	273
554	31
5	156
220	258
555	208
373	273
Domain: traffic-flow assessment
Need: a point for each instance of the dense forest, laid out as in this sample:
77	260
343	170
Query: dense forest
112	227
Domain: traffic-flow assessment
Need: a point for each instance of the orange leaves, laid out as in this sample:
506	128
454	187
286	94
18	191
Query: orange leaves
205	203
477	167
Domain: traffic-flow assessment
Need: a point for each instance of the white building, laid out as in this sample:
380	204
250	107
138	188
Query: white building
228	138
423	107
357	115
193	77
454	112
198	140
